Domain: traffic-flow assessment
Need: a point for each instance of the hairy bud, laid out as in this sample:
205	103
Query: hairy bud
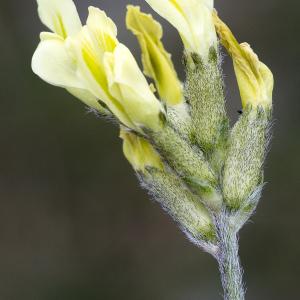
185	207
204	93
189	162
247	149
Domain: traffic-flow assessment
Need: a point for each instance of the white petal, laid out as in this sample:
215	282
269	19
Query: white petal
52	62
60	16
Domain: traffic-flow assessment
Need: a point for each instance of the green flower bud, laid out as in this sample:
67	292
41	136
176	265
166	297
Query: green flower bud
242	172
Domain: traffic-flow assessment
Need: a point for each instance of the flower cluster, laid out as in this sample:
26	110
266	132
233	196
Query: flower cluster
176	135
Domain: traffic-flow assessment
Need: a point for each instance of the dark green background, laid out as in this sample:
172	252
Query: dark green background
74	223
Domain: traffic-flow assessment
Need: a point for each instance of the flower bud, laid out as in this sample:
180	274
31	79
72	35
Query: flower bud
185	207
254	78
156	60
243	168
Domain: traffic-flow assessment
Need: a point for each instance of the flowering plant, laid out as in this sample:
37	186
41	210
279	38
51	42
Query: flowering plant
205	174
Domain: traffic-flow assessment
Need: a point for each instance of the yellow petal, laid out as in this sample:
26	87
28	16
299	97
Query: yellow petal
93	41
139	152
156	60
192	19
254	78
90	62
128	85
60	16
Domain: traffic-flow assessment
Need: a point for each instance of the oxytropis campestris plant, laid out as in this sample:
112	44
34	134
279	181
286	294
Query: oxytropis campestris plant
177	136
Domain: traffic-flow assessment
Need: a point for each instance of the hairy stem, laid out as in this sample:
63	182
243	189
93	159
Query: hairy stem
229	261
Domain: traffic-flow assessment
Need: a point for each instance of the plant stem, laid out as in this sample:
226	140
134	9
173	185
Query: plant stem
229	261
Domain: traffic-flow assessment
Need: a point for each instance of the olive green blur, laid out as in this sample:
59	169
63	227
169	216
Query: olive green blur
74	223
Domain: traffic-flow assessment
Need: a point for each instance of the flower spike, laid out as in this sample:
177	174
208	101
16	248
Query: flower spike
206	175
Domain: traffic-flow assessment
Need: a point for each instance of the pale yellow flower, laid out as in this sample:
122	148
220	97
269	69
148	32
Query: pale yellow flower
51	60
254	78
92	65
111	73
156	60
192	19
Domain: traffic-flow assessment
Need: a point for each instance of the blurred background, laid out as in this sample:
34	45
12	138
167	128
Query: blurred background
74	224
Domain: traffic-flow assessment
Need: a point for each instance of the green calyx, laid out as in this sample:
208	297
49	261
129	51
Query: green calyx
247	147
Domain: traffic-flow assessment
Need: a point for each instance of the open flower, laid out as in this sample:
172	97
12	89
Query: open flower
51	60
111	73
90	62
156	60
254	78
192	19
